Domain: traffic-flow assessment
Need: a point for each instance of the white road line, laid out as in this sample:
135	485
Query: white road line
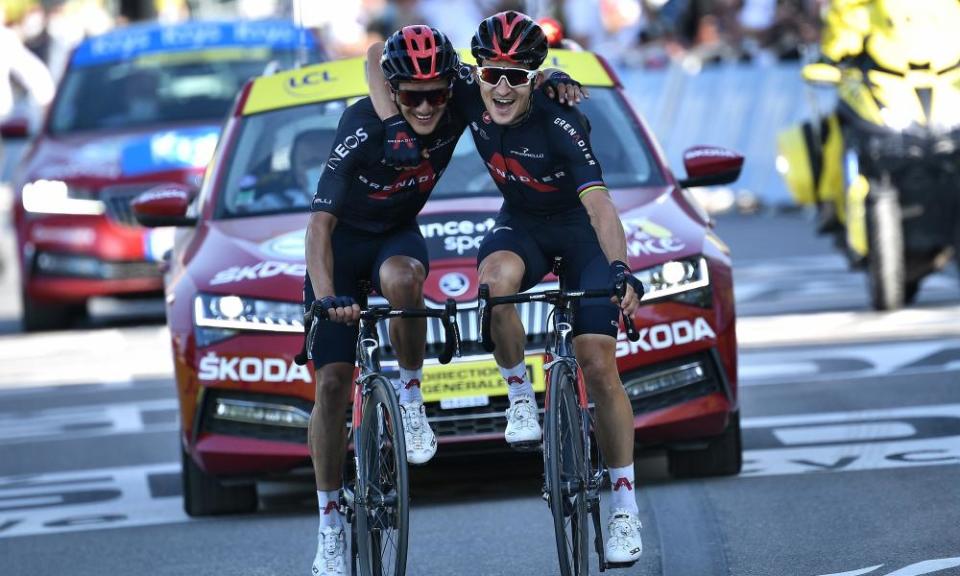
864	444
74	423
87	500
856	572
918	569
87	357
838	327
800	364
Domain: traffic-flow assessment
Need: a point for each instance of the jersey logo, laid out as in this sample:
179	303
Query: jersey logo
503	169
401	138
421	176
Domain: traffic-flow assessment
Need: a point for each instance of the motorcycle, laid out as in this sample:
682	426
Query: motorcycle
882	167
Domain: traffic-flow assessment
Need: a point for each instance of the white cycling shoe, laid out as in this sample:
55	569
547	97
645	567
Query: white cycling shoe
420	440
331	554
523	426
624	545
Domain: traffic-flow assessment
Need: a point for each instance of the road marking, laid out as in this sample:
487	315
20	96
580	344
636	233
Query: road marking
847	361
918	569
858	432
856	572
806	282
837	327
85	357
851	441
84	422
87	500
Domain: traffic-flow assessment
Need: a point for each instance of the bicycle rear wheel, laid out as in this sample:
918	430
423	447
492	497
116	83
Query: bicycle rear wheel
566	459
382	516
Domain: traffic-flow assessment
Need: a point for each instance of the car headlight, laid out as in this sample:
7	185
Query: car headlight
240	313
56	197
674	278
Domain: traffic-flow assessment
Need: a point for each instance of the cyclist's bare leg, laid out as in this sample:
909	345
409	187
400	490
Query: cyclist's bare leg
596	354
401	280
503	272
328	427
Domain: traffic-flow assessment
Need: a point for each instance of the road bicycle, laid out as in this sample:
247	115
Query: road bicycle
375	493
573	465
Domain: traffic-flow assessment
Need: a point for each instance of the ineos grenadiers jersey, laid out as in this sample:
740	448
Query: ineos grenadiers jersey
542	164
364	193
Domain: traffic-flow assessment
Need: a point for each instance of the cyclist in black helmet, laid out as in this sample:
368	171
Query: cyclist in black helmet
363	227
555	204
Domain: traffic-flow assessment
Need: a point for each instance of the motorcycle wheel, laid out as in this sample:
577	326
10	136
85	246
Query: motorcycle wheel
886	264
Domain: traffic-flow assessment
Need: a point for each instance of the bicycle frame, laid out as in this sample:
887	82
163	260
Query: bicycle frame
559	351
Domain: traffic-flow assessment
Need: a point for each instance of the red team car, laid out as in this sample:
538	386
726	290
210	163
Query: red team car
234	287
136	107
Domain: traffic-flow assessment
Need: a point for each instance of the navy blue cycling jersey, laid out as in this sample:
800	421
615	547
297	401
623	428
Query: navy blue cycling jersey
366	194
541	164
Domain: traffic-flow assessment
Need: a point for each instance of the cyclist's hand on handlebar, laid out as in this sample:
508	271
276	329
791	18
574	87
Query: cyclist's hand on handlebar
342	309
623	282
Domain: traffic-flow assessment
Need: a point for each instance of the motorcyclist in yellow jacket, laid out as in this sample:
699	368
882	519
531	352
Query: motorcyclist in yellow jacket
912	30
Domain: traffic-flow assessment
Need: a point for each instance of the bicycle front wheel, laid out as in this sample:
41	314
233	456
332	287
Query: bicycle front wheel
382	516
566	459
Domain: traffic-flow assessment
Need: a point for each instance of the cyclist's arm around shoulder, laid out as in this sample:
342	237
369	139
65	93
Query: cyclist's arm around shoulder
379	89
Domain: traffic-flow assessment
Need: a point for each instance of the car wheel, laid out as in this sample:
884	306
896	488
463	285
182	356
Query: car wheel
204	495
723	455
36	316
886	262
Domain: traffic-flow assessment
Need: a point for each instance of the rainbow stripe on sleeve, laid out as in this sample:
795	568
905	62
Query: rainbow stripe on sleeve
590	187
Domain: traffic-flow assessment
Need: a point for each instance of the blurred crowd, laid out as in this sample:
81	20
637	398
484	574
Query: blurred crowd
632	33
629	33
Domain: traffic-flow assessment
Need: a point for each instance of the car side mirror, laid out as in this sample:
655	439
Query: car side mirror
15	129
821	73
710	166
164	205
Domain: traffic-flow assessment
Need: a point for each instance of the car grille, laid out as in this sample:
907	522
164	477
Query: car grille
533	315
117	201
78	266
460	422
127	270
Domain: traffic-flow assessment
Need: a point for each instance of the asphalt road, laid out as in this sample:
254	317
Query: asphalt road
851	429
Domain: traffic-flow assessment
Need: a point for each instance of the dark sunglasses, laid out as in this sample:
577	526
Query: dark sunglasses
516	77
413	98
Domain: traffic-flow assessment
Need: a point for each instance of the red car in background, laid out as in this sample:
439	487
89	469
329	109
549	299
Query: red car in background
136	107
234	288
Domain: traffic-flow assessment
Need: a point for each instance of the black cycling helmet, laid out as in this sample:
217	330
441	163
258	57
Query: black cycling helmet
415	53
511	37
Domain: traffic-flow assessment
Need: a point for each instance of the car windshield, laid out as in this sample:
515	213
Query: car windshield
158	88
280	155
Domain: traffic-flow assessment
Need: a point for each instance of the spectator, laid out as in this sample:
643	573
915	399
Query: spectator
21	64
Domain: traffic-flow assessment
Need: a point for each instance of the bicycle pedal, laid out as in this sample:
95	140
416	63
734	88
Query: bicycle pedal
527	446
